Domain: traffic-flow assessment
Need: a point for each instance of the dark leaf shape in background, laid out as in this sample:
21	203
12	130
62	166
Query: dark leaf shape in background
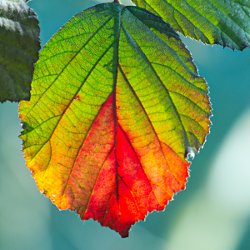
19	46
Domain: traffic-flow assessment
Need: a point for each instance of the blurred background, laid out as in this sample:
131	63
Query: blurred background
212	214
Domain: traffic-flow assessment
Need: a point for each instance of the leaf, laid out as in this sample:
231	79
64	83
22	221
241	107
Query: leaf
116	106
19	45
214	21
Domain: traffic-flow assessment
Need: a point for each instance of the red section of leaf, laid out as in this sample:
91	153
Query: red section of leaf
123	193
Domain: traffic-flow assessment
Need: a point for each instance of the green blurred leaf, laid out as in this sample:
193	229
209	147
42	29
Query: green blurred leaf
116	105
224	22
19	45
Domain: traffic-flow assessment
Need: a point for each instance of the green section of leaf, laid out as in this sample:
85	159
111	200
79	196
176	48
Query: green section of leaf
19	45
83	58
213	21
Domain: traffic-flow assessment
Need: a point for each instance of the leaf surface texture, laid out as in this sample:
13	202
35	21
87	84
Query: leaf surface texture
116	107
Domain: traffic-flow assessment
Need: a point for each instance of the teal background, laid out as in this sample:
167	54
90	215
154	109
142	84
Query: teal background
214	211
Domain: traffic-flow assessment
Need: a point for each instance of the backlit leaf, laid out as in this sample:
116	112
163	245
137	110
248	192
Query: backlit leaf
224	22
116	107
19	45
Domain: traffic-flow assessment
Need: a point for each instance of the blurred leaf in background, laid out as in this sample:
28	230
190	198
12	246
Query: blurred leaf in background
213	22
19	45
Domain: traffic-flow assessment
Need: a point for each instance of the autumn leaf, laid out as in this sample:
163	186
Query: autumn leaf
116	107
19	45
214	21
